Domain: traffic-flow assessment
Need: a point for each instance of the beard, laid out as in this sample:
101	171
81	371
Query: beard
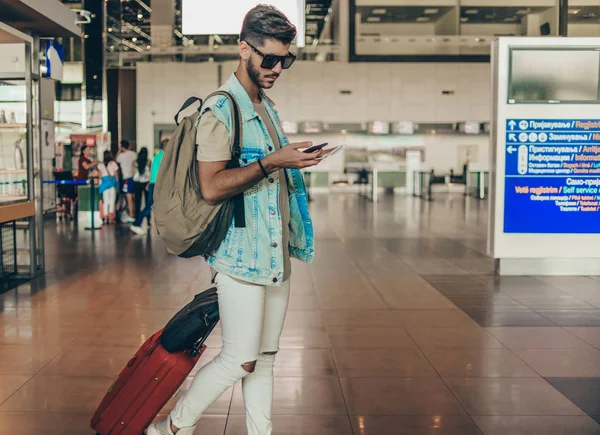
256	76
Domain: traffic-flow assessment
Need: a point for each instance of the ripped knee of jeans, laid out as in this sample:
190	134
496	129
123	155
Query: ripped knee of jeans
249	366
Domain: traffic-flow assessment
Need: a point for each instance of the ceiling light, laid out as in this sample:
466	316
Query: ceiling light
423	19
574	11
522	12
373	19
134	39
510	19
110	29
140	16
148	47
464	19
471	12
379	11
431	11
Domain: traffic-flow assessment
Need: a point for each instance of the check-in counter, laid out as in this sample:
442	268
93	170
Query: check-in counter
477	183
384	175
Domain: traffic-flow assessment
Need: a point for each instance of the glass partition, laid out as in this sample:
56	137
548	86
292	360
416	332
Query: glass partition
13	142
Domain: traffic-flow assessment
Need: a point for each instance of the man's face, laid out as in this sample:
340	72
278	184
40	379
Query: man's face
261	77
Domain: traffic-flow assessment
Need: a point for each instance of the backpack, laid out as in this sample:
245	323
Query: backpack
184	220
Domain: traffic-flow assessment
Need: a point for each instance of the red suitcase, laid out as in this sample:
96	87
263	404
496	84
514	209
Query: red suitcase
143	388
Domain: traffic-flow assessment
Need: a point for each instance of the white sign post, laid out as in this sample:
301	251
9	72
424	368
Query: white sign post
545	193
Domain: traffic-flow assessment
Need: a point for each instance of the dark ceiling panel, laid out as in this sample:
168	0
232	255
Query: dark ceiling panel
487	15
401	14
586	14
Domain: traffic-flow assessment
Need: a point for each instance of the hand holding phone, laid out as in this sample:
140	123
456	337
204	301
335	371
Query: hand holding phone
315	148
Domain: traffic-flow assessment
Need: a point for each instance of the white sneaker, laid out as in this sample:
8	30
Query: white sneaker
138	230
164	428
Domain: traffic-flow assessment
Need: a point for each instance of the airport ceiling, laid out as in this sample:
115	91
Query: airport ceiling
129	24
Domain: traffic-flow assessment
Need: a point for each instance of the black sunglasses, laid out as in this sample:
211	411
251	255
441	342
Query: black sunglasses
270	61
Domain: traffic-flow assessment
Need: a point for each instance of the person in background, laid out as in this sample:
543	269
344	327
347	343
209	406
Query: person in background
125	158
141	178
85	164
109	182
145	213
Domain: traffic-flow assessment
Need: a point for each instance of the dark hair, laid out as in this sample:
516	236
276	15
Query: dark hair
83	148
142	160
125	144
163	144
108	157
267	22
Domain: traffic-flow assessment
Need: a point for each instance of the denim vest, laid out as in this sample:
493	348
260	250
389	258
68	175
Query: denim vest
254	253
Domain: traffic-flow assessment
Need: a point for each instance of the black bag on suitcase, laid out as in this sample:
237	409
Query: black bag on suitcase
193	323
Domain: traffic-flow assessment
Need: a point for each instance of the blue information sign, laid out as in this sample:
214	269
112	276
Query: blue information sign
552	176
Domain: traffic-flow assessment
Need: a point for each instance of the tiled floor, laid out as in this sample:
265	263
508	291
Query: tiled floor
398	328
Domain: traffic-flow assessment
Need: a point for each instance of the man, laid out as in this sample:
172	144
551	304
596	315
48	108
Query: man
253	263
136	227
125	158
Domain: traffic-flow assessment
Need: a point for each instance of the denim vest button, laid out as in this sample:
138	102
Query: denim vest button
274	245
275	279
272	212
270	148
271	180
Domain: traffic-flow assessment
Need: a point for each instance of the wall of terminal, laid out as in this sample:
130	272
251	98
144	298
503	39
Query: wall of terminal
311	91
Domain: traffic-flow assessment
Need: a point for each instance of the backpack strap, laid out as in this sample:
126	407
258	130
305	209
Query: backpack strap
187	104
239	213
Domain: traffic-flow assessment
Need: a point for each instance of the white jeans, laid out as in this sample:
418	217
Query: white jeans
252	318
109	197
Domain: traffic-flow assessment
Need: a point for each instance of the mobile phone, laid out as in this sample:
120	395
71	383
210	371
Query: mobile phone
314	148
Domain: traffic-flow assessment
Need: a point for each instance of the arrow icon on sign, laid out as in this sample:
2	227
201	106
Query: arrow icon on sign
512	124
512	137
511	149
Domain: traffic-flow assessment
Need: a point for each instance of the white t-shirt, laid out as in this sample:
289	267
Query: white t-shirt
126	160
110	169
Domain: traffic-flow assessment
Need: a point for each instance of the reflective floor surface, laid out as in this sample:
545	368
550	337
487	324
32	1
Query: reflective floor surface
399	327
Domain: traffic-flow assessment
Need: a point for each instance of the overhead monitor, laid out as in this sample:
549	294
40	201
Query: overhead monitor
224	17
403	127
312	127
554	75
289	127
378	127
469	127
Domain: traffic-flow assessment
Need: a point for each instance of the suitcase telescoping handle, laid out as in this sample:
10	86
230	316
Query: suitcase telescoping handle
197	348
